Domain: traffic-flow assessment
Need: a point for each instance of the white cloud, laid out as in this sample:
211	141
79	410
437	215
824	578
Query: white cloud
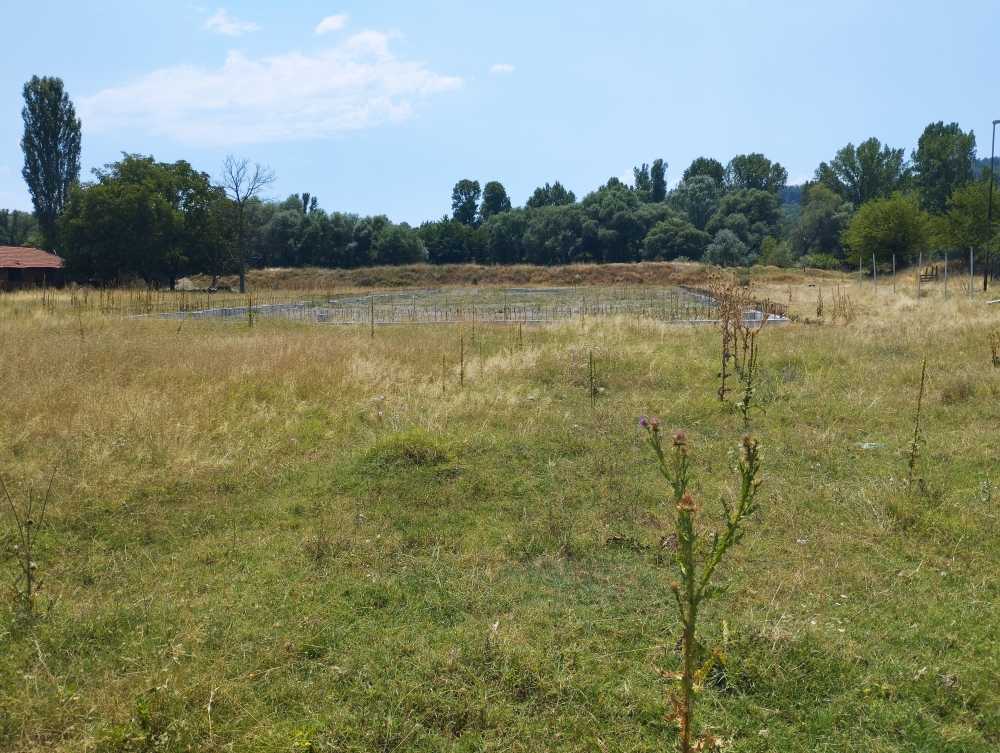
501	68
357	84
332	23
223	23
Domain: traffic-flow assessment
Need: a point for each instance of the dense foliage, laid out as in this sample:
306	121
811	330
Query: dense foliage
145	219
19	229
156	222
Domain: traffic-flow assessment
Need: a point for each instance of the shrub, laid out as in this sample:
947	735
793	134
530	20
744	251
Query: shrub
820	261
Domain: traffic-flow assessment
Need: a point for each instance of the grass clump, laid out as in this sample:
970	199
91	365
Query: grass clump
958	390
413	448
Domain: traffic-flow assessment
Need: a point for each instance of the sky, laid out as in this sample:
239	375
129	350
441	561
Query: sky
380	107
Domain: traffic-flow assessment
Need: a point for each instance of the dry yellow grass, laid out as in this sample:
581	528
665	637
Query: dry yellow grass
199	465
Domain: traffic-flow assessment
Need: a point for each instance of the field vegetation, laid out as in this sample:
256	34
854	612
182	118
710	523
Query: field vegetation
291	537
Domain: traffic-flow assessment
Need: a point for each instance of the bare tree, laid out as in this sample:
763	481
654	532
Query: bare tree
243	183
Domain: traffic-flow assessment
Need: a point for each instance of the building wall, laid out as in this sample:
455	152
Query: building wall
14	279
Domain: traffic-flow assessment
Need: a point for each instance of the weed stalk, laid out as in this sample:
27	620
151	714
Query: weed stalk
917	433
696	572
28	520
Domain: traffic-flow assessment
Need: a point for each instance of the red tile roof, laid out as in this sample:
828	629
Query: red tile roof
18	257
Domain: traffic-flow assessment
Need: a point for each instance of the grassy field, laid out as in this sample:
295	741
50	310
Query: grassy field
291	537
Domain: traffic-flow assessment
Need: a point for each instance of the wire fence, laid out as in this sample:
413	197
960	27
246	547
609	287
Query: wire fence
510	306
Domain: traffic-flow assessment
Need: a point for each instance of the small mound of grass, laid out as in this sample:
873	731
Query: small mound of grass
958	390
413	448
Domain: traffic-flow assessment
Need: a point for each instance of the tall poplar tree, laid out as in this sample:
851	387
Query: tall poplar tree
51	146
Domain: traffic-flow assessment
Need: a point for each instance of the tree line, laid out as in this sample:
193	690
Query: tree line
155	221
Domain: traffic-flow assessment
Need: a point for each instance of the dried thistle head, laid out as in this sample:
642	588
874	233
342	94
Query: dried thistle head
687	503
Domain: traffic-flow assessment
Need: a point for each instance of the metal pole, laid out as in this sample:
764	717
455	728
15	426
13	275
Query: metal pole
874	275
989	210
972	278
894	274
945	274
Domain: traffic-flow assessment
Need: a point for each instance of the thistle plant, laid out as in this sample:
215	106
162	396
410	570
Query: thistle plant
918	437
745	361
843	307
697	556
730	302
995	348
28	520
739	339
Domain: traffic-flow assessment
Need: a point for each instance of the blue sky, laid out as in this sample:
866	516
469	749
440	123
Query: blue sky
382	106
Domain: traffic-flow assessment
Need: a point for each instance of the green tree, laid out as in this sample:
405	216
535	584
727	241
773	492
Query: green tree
658	181
16	227
551	196
870	171
618	221
338	239
943	161
884	227
555	235
964	224
51	146
673	238
698	198
776	253
752	214
707	166
755	171
727	250
144	219
504	236
365	233
448	241
495	200
642	183
282	237
824	217
465	201
398	244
